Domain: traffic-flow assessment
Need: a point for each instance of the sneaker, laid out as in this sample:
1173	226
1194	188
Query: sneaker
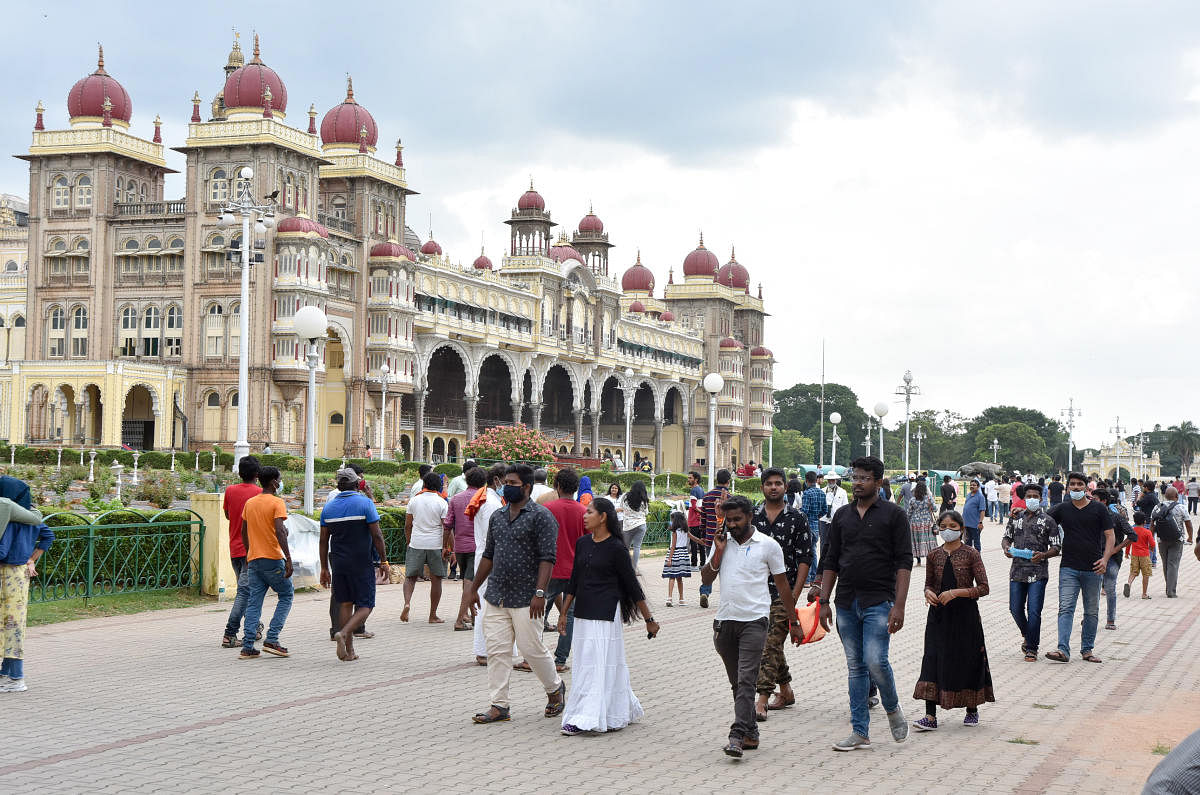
853	743
873	701
733	748
230	642
669	603
275	648
682	603
925	724
250	654
704	600
899	725
972	719
570	730
13	685
1126	590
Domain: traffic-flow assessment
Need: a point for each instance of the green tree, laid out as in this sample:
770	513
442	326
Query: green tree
1051	432
800	410
1020	447
793	448
945	446
1183	440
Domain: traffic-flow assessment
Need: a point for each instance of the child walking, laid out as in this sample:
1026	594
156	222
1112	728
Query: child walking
1139	554
954	670
677	565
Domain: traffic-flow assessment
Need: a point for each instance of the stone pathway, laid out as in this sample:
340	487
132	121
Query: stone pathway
151	703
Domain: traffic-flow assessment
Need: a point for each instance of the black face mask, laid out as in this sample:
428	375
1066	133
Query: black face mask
513	494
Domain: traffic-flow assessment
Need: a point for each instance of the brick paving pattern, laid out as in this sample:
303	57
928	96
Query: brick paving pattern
150	703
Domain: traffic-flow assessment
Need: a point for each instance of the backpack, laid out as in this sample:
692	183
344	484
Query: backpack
1165	526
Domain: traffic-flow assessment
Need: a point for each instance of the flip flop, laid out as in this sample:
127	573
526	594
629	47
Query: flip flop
1091	658
773	704
463	628
481	661
523	666
1057	656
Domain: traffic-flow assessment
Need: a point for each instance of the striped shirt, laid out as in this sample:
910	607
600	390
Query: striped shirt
710	512
813	503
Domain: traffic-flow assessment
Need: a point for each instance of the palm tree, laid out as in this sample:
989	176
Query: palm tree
1184	441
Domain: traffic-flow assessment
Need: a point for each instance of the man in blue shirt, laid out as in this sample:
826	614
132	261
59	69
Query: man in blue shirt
814	505
973	510
349	528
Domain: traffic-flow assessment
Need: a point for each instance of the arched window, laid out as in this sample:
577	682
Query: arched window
153	242
142	193
57	319
218	185
131	191
216	241
129	319
62	193
302	198
233	399
289	194
215	309
239	184
175	242
19	321
152	319
79	319
336	419
10	266
132	245
83	192
79	337
57	244
120	187
214	400
81	244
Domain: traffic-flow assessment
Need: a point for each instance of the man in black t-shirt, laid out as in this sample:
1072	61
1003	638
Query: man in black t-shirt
1056	489
1088	542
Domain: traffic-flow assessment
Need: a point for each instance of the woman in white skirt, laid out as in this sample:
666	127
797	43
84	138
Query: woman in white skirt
677	565
605	593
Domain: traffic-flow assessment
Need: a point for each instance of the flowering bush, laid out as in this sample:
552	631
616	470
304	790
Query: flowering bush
510	443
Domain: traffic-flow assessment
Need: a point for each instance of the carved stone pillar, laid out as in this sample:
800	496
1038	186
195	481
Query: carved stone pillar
536	409
658	453
517	407
687	447
472	403
596	434
578	450
418	425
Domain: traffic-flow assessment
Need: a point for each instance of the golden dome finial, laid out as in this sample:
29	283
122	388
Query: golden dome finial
639	257
349	88
701	238
40	107
256	58
100	59
235	54
733	253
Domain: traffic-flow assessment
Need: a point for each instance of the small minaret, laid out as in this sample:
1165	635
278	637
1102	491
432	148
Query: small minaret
40	110
196	107
107	120
266	91
157	129
312	119
399	153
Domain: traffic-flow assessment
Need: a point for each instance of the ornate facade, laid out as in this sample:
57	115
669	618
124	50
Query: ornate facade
1129	456
132	302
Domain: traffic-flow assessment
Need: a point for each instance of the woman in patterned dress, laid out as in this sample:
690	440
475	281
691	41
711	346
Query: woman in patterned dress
920	519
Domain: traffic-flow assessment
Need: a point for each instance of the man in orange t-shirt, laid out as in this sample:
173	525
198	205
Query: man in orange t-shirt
233	502
268	563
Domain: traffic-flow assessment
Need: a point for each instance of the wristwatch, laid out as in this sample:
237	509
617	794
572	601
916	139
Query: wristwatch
539	593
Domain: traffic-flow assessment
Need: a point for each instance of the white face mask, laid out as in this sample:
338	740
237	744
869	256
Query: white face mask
951	535
1078	495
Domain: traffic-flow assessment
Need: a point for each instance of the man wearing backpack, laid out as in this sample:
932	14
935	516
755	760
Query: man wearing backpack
1168	522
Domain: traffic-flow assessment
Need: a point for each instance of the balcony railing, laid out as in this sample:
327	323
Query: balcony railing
333	222
176	207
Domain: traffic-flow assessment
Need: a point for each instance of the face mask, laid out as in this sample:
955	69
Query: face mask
513	494
950	535
1033	505
1078	495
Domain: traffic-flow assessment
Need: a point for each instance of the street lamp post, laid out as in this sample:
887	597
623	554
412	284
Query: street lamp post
834	419
1070	412
869	428
384	370
920	436
881	410
995	449
245	206
713	384
310	324
1118	430
908	390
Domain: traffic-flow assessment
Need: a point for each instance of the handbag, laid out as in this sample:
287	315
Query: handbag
808	618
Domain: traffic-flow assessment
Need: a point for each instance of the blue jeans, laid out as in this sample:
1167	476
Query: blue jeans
563	650
865	640
994	510
239	601
1025	600
261	574
13	668
816	552
972	539
1071	582
1110	588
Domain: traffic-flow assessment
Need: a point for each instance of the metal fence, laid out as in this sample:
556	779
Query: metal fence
113	553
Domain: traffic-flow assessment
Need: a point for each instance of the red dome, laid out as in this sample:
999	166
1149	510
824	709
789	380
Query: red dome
531	200
343	123
392	249
563	251
730	343
667	316
734	274
761	351
591	223
637	306
298	224
701	262
86	97
638	277
482	263
431	247
244	88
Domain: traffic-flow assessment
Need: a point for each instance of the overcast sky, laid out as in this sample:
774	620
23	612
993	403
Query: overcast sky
1001	197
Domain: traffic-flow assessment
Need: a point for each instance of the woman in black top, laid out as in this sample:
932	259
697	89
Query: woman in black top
604	591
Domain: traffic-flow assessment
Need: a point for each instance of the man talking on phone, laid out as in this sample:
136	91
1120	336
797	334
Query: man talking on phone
745	559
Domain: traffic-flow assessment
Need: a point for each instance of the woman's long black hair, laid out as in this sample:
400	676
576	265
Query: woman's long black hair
604	505
636	498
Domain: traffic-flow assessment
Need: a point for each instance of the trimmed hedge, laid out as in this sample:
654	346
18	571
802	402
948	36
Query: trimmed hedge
451	470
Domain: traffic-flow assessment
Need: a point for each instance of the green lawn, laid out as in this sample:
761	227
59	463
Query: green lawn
117	605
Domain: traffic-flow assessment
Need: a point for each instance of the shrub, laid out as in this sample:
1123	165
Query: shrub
322	464
293	464
381	468
510	443
450	470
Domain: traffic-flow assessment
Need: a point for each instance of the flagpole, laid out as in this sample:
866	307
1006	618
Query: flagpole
821	455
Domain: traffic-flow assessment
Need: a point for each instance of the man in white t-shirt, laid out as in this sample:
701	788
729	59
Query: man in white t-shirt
419	483
745	559
427	543
992	493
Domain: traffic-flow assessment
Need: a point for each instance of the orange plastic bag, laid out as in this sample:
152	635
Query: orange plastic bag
808	618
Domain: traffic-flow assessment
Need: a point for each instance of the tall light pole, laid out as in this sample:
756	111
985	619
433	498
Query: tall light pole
995	449
713	384
907	389
771	443
1118	430
920	436
310	324
881	410
868	428
245	206
1070	412
834	419
629	417
384	370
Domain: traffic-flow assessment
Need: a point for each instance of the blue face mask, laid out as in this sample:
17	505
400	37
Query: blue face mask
1113	508
1033	504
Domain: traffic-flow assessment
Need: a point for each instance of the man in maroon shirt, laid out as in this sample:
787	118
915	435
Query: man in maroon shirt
569	515
463	527
233	502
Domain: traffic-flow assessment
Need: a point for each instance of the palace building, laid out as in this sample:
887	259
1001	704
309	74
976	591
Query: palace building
122	309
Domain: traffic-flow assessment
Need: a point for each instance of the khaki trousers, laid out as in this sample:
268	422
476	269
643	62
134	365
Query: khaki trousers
503	625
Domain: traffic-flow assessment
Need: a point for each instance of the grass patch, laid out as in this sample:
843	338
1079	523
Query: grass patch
116	605
1045	706
1023	741
1160	748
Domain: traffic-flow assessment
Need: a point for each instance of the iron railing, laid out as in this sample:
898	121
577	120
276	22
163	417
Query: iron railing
109	554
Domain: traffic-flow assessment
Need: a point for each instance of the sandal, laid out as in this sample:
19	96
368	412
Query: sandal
773	704
1030	656
554	709
1057	656
463	627
1091	658
480	660
523	666
487	717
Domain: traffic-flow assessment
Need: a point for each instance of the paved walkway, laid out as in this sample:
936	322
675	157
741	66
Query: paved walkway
151	703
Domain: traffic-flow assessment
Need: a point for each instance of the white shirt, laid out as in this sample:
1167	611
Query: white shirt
538	490
631	519
990	491
456	485
490	504
836	497
427	511
744	572
415	488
